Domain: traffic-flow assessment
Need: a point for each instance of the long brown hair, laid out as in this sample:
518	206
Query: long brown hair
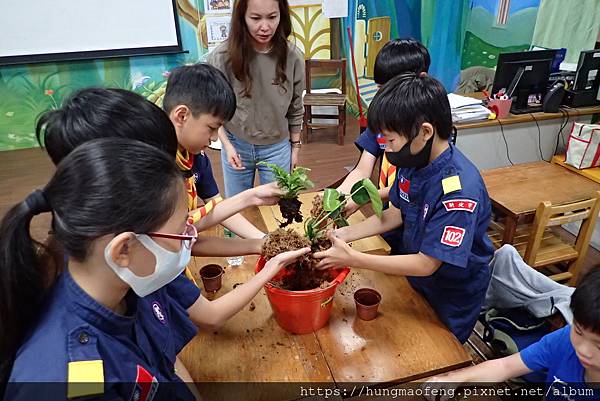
241	52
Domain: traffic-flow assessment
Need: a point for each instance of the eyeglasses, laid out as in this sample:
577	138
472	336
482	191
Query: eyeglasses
188	237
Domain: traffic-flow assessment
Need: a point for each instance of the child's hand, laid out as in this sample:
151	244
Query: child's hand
277	262
267	194
441	384
233	158
339	255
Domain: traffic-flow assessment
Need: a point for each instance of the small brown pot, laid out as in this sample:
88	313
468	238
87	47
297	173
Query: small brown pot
367	301
211	277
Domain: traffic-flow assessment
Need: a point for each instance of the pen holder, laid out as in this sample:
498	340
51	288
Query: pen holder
500	106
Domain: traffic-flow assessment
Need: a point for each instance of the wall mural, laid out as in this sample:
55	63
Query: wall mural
458	33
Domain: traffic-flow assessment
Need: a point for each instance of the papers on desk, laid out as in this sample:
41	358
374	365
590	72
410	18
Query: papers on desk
466	109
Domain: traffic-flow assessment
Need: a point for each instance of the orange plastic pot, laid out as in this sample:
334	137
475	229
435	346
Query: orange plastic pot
302	312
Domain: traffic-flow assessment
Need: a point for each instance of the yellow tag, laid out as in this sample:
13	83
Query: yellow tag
85	378
451	184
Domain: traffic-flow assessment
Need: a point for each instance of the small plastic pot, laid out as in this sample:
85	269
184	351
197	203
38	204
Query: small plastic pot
211	277
367	301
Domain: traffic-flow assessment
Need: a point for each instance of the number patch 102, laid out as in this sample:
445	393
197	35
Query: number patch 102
453	236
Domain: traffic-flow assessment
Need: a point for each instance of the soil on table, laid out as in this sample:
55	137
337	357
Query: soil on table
290	210
302	275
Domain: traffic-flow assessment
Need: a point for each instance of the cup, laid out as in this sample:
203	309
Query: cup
211	277
500	106
367	301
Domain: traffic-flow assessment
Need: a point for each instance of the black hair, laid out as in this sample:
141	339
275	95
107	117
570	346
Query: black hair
585	301
204	89
94	192
398	56
94	113
406	102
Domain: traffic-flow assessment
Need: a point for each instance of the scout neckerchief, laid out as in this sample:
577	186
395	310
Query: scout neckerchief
185	161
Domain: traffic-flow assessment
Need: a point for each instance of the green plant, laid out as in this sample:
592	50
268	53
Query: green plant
362	192
291	183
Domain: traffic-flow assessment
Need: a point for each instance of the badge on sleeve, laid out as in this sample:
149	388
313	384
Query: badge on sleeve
467	205
146	385
85	378
403	187
380	141
451	184
453	236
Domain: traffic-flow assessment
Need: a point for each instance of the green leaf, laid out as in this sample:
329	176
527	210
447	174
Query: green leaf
360	195
330	199
292	183
376	202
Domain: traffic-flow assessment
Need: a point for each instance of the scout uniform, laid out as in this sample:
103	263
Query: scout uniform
446	212
86	350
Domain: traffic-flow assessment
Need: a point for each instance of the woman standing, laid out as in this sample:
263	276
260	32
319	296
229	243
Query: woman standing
267	75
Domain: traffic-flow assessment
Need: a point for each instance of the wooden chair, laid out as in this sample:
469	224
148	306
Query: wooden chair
325	99
541	247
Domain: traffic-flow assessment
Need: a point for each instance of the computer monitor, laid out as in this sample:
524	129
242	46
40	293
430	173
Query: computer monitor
587	76
524	76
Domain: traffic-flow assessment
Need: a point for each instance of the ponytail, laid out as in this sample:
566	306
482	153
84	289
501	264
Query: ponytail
22	276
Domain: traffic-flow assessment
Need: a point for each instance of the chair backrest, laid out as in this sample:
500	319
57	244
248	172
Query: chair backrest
325	68
547	215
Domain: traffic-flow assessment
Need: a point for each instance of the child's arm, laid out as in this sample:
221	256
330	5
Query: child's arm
363	169
267	194
391	218
209	315
239	225
494	371
215	246
341	254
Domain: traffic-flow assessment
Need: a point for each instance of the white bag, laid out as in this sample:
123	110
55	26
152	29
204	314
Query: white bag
583	146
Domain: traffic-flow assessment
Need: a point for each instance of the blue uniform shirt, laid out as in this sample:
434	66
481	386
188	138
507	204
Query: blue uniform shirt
137	351
206	186
446	212
374	144
555	354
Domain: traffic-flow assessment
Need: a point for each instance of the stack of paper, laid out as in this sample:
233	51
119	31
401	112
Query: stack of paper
465	109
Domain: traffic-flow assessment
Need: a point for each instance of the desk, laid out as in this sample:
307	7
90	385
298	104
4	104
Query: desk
483	142
516	191
406	342
589	173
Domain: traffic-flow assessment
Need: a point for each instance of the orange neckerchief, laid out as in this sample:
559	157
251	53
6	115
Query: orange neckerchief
387	174
185	161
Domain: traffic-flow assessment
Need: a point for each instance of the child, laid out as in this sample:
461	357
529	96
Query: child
198	99
438	197
571	355
93	113
395	57
86	325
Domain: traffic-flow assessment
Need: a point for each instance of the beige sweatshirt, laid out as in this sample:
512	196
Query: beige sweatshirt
272	111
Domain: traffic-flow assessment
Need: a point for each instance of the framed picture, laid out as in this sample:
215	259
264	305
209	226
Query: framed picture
218	6
217	28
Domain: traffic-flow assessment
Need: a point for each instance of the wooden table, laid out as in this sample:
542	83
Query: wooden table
590	173
407	341
516	191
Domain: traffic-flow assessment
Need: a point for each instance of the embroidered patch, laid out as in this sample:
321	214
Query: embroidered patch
451	184
146	386
467	205
158	313
425	210
403	188
380	141
453	236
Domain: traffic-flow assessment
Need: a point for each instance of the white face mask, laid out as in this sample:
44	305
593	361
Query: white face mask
169	265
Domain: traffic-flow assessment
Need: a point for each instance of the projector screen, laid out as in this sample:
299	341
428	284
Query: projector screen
37	31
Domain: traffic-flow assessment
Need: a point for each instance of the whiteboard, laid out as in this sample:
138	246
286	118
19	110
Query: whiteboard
30	28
